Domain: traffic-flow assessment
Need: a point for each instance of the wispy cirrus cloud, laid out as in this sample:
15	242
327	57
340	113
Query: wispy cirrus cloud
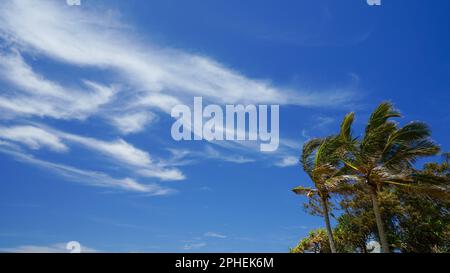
118	151
194	246
237	153
287	161
122	152
87	177
32	94
214	235
133	122
54	248
76	37
140	82
33	137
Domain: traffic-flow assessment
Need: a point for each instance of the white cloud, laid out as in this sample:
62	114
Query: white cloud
288	161
123	152
323	121
194	246
33	137
151	80
183	157
91	178
214	235
133	122
212	153
54	248
119	150
78	37
162	173
241	153
35	95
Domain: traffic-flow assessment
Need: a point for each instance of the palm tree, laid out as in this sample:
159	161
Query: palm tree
385	154
320	160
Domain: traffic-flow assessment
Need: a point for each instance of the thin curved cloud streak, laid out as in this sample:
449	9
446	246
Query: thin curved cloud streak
141	82
75	37
91	178
34	95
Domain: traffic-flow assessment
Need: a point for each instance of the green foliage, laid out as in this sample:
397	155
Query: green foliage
413	224
377	171
423	224
316	242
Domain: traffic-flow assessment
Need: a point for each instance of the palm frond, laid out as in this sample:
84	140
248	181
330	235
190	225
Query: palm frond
375	140
380	116
346	128
404	156
409	133
308	150
378	130
328	153
342	184
304	191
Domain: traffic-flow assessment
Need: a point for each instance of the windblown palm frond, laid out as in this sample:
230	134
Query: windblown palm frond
304	191
346	128
328	152
381	115
307	158
343	184
378	130
411	131
432	185
408	143
401	157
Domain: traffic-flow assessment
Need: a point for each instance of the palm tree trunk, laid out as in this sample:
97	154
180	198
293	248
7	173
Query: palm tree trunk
328	225
379	221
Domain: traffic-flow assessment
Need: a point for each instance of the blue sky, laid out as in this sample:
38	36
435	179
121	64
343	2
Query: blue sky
86	91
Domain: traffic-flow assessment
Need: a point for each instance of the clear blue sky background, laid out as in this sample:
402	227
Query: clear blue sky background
398	52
